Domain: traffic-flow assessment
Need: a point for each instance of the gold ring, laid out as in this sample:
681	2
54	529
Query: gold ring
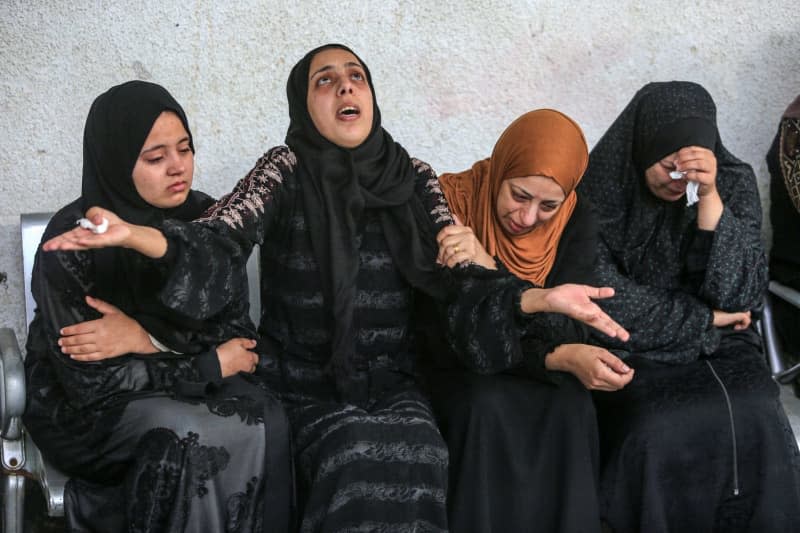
456	249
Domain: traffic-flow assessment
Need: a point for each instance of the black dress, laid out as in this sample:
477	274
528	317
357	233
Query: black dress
523	440
698	440
155	442
374	463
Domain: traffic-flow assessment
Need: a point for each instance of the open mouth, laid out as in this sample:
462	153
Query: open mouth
349	111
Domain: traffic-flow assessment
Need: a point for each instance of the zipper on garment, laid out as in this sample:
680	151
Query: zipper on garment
733	430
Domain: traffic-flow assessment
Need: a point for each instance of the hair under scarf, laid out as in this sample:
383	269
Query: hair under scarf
544	142
117	126
338	184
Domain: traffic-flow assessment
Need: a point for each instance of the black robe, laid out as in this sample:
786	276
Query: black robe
523	440
698	440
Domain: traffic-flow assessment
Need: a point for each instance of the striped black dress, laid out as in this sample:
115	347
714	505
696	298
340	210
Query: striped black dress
375	465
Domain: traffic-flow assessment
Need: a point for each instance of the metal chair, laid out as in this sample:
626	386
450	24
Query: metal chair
19	456
772	343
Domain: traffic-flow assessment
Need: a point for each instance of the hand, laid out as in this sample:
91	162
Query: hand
575	301
700	166
739	320
458	244
235	356
112	335
595	367
79	238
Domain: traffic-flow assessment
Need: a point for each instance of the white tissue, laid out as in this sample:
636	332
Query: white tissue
677	174
88	224
691	187
691	193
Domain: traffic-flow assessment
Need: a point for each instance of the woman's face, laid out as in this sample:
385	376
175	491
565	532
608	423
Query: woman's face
524	203
163	172
339	98
660	184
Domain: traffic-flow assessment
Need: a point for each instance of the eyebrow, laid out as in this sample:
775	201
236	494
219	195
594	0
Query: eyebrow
159	146
330	67
519	190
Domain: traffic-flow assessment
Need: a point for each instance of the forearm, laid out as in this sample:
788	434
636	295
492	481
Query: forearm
147	241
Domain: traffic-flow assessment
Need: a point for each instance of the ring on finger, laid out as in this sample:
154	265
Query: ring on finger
456	249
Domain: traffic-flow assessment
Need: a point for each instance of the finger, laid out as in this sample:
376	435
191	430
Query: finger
79	349
614	363
598	293
93	356
102	306
81	328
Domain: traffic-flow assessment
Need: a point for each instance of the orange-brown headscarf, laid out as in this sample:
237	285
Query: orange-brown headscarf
544	142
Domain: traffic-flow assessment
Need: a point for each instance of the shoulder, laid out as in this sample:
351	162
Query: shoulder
277	163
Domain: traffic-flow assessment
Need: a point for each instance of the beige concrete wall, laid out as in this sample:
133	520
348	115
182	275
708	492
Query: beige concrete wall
448	78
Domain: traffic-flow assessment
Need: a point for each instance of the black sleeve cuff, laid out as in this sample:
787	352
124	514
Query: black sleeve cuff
209	375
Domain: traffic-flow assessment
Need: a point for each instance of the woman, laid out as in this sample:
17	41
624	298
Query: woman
159	439
347	223
783	162
698	442
538	468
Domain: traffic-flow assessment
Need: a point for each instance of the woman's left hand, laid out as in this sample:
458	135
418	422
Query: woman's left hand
458	244
112	335
78	238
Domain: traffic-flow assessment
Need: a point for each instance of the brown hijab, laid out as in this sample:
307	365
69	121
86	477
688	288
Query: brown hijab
544	142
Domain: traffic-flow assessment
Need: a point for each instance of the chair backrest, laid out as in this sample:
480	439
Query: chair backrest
32	226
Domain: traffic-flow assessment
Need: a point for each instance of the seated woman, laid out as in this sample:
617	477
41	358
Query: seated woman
783	162
347	223
159	439
522	431
698	441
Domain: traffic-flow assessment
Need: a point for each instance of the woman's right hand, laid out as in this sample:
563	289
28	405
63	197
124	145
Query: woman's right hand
739	320
236	356
458	244
595	367
575	301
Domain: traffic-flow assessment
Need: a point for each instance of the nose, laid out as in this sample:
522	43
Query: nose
345	86
177	165
528	216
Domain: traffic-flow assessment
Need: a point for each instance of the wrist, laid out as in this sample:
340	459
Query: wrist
533	301
557	359
146	240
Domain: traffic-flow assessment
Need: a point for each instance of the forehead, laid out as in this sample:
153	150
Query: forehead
331	57
542	187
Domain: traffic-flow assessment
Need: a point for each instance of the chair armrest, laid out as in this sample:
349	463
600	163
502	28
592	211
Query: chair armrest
786	293
12	386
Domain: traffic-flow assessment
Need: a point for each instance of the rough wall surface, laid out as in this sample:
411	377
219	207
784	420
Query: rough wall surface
448	78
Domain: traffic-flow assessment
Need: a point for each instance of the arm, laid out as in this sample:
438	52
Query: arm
726	252
664	324
59	283
206	258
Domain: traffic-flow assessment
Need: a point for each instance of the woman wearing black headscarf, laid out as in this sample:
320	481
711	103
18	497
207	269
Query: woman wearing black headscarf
698	440
157	439
347	222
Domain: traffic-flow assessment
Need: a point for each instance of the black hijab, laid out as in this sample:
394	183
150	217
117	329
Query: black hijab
662	118
338	184
119	121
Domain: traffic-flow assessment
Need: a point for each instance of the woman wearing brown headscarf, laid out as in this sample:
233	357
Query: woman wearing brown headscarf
521	432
